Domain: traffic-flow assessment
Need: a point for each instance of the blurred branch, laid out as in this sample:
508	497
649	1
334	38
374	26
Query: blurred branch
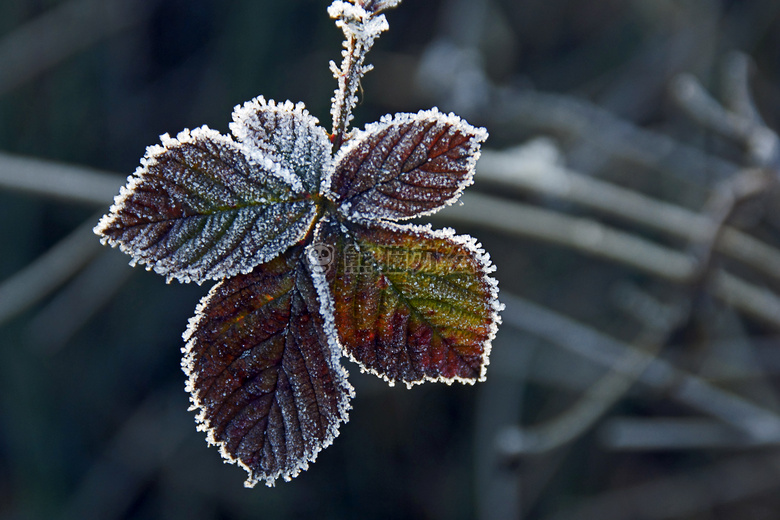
140	447
760	141
63	31
760	424
65	314
49	271
735	78
586	235
684	494
59	181
632	433
594	238
613	136
535	168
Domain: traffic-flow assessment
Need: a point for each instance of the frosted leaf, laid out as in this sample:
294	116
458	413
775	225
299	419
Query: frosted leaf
199	207
409	304
289	134
270	390
406	166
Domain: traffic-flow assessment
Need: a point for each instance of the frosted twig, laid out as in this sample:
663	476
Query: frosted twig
61	32
534	168
59	181
361	24
761	142
47	272
757	422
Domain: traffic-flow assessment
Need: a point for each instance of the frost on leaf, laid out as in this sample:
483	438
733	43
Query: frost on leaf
406	166
200	207
361	27
270	388
409	304
287	133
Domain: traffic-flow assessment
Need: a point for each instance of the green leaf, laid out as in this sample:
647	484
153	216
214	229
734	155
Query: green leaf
205	207
406	166
269	386
408	303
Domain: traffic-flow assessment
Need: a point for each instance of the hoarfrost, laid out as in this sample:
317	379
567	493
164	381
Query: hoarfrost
270	390
406	166
361	28
412	304
202	206
287	133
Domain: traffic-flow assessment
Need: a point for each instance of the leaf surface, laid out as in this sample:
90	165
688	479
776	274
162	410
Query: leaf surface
408	303
267	381
406	166
286	132
200	207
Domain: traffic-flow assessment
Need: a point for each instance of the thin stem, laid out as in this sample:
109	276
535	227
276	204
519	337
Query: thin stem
362	24
59	181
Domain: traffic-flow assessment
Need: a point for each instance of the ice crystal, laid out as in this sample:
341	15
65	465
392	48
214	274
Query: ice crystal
300	228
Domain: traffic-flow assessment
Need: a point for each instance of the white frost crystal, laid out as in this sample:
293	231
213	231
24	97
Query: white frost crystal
259	213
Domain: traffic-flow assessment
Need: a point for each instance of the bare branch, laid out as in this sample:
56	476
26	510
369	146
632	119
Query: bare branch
70	27
536	168
586	235
757	422
760	141
48	272
58	181
684	494
632	433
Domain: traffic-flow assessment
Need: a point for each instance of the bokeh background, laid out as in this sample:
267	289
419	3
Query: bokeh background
636	373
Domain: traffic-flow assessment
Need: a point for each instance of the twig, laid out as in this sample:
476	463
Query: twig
59	181
757	422
533	168
601	241
61	32
61	318
760	141
516	109
684	494
48	272
631	433
582	234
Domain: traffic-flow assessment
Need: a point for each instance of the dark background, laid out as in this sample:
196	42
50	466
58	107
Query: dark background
93	413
